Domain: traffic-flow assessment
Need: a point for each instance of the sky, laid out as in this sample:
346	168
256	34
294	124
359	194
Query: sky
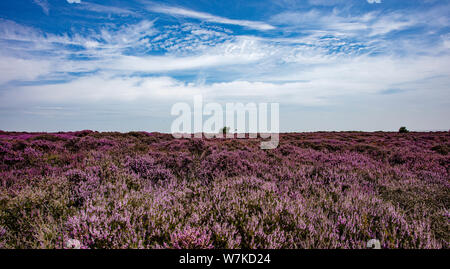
332	65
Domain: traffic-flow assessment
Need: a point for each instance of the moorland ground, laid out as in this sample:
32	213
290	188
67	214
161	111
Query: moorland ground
149	190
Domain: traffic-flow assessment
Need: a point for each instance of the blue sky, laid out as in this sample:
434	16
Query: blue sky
121	65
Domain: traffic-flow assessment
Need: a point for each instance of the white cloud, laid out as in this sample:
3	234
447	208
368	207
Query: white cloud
74	1
308	70
247	58
176	11
374	1
319	85
22	69
106	48
386	25
326	2
446	41
168	63
195	38
44	5
105	9
111	41
369	26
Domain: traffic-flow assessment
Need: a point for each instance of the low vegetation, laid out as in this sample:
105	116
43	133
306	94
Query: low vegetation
149	190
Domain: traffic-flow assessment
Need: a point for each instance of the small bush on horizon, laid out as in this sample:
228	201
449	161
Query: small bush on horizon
403	130
225	130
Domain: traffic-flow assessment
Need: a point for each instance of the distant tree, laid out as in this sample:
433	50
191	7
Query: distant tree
403	130
225	130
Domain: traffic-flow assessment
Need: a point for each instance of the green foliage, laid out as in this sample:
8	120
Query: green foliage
403	130
225	130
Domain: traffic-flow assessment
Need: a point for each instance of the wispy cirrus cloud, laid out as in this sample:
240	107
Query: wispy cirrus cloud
104	9
371	24
44	5
106	42
370	27
178	11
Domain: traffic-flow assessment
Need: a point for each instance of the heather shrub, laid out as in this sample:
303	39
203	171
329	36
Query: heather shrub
139	135
45	145
399	157
48	137
228	164
190	238
148	190
197	146
101	224
33	217
82	133
181	164
3	238
73	144
145	167
83	185
441	149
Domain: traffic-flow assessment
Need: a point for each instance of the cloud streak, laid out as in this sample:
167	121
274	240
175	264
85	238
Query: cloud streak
337	22
44	5
104	9
177	11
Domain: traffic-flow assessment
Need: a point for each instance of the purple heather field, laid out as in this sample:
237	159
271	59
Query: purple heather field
150	190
